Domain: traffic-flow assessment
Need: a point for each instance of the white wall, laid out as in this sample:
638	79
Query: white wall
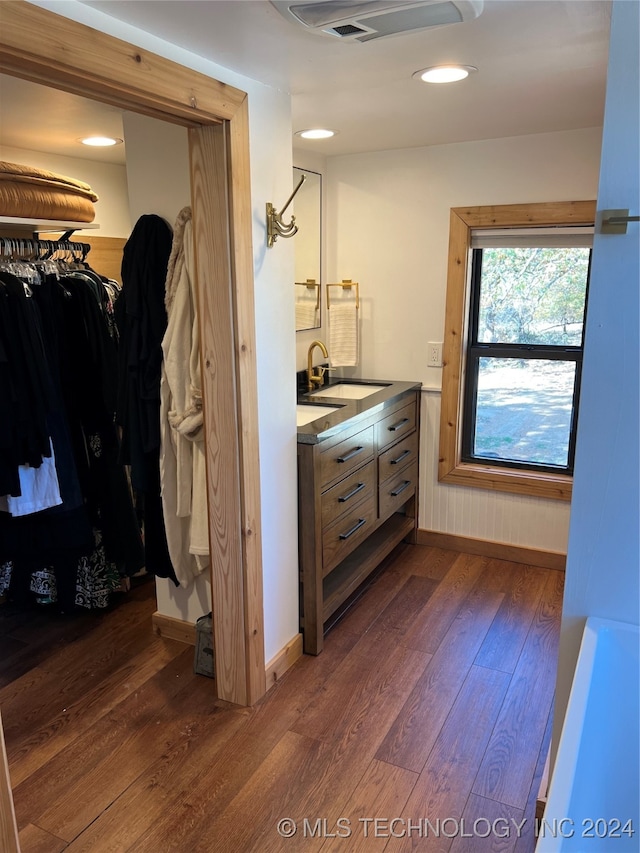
107	180
156	148
271	164
602	577
388	229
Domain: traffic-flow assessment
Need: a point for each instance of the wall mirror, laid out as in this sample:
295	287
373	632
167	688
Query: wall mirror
308	212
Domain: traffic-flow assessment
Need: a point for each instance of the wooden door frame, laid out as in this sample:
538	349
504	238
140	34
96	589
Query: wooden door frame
43	47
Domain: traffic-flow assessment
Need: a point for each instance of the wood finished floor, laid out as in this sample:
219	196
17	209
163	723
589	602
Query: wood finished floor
432	700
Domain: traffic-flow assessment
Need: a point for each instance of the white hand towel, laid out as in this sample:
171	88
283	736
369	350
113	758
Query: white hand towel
306	314
343	334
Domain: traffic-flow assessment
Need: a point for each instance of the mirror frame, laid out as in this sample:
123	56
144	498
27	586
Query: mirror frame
303	234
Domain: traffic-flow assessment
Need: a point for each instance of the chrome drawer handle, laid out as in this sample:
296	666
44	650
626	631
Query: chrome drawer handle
350	455
355	527
400	458
400	489
353	492
398	425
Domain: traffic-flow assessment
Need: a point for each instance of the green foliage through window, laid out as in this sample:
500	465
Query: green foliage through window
533	295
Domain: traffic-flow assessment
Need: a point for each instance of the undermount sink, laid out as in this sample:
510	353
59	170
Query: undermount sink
348	390
307	412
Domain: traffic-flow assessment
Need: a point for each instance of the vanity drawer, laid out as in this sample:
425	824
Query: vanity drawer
341	537
396	425
397	490
348	492
346	456
396	458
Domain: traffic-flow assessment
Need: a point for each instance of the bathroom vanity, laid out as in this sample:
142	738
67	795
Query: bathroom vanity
358	445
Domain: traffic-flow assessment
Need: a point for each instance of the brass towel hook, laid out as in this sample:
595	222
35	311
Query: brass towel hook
275	226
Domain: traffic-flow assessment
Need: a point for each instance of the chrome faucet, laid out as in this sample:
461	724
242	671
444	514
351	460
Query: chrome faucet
315	379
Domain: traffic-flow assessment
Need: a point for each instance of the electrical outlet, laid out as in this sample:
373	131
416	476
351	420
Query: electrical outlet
434	357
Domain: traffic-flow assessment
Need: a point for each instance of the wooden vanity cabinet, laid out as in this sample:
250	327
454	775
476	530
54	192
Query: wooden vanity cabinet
357	497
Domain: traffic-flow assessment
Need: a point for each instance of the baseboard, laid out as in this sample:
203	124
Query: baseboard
496	550
541	800
283	660
174	629
185	632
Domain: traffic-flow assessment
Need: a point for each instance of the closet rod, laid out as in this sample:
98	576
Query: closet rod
20	247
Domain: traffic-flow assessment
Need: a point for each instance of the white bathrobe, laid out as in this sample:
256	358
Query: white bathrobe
182	461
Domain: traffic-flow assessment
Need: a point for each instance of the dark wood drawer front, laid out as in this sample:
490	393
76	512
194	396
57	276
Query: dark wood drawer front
348	492
398	457
396	490
396	425
346	456
341	537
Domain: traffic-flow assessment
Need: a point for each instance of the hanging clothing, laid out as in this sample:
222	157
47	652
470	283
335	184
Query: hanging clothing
141	319
182	465
58	359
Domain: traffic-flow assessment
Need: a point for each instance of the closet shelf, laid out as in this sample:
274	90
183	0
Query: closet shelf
39	225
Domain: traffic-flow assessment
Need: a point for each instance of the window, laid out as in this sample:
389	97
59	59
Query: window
516	300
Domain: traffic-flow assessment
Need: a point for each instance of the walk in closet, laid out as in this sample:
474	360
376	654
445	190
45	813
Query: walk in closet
217	138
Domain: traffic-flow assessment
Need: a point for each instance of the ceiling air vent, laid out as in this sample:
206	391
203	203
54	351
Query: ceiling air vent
365	20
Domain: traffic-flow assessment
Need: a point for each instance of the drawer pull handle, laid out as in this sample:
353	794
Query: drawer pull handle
353	492
401	488
400	424
400	458
355	527
351	454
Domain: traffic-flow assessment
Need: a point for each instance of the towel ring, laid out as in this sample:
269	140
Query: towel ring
345	284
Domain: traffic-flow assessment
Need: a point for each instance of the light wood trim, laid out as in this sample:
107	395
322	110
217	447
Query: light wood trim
247	399
495	550
38	45
174	629
8	827
46	48
450	467
283	660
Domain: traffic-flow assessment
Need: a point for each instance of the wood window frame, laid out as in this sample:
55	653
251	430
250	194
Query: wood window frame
451	468
45	48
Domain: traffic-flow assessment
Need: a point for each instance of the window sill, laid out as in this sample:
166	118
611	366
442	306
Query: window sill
533	483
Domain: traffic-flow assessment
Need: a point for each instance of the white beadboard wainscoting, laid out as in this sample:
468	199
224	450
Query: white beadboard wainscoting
520	520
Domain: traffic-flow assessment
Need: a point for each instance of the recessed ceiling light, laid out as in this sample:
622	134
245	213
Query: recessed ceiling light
445	73
101	141
316	133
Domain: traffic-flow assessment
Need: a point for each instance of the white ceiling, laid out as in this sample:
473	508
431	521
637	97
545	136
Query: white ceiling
542	67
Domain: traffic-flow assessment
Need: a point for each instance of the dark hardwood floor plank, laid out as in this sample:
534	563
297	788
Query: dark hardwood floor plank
354	694
398	617
71	767
526	843
414	732
33	839
488	827
443	606
363	612
427	561
344	751
117	747
40	745
203	730
381	794
510	761
503	643
445	783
